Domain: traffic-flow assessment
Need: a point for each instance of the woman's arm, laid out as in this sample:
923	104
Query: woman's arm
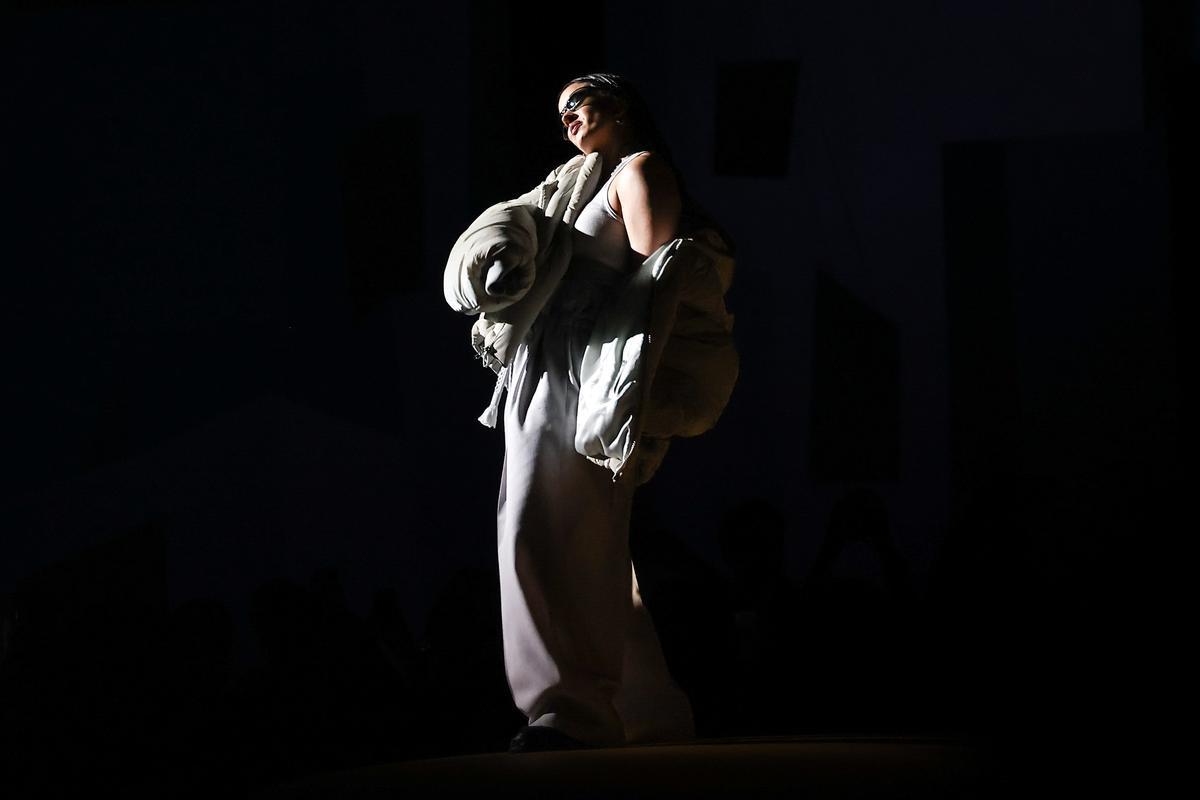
649	203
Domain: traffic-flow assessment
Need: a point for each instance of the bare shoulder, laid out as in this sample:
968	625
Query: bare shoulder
649	168
650	202
646	175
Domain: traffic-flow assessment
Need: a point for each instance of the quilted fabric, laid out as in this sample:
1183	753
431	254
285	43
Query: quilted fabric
660	361
491	266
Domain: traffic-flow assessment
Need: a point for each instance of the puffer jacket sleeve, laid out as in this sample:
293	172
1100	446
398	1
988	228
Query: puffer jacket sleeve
613	369
508	261
698	366
491	266
661	361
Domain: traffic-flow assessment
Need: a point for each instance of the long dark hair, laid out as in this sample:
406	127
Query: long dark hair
646	136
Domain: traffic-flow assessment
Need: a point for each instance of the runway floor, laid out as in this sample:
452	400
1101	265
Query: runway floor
749	767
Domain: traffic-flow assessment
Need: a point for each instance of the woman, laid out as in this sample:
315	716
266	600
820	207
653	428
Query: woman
581	654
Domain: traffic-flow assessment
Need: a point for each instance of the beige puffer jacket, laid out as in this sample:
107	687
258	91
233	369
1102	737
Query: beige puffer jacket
660	361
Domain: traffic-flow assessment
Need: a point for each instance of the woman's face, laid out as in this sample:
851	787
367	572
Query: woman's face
590	125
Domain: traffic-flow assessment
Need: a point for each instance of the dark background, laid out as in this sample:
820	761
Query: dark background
249	514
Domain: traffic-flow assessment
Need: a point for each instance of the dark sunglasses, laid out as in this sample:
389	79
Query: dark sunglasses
575	100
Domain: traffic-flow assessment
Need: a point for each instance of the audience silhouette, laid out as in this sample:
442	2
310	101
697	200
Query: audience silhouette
853	648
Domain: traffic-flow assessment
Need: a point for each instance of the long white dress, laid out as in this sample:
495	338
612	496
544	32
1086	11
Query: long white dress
580	650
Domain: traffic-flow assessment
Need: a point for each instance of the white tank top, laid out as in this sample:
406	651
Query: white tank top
599	233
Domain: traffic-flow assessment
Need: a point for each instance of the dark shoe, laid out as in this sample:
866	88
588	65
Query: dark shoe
536	738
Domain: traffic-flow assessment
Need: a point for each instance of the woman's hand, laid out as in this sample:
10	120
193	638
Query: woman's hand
649	203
